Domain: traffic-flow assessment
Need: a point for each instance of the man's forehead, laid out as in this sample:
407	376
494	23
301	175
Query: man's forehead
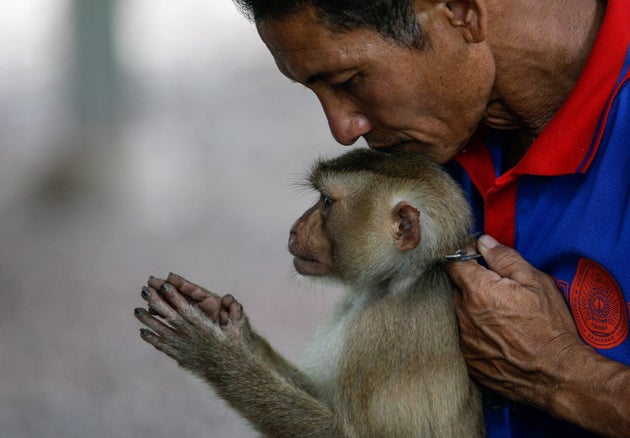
303	46
293	32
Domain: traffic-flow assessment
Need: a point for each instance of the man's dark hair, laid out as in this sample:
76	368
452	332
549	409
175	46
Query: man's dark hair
393	19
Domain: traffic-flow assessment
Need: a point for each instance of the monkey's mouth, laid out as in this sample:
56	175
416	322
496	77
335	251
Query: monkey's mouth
311	267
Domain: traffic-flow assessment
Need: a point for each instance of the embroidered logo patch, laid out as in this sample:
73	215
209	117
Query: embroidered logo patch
564	287
598	306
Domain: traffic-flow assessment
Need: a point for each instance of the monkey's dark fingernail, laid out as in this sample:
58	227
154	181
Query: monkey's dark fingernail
166	288
240	307
138	311
146	293
144	332
175	277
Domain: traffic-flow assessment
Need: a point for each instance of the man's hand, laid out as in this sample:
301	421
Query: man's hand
518	338
516	329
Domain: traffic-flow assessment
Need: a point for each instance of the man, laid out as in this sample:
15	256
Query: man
529	104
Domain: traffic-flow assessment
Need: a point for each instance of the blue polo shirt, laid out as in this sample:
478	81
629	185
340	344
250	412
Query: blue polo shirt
565	207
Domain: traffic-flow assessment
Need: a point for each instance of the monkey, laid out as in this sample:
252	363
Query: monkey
387	363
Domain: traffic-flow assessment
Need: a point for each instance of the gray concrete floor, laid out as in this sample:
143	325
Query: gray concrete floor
200	180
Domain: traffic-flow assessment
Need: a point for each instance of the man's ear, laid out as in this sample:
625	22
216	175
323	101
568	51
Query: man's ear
405	226
469	17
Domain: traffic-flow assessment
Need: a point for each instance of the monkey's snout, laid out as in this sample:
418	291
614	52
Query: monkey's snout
291	243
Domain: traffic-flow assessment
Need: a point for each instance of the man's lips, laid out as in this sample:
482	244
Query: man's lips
409	145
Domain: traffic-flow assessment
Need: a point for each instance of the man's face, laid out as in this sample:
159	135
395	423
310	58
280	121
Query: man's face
427	100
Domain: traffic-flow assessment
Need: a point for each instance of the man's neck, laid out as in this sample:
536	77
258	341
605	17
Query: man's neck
540	48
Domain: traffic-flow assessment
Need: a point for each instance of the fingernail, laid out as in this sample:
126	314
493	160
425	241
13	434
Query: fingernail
166	288
144	332
137	311
488	242
146	293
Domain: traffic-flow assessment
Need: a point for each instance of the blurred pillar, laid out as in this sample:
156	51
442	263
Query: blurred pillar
90	155
95	69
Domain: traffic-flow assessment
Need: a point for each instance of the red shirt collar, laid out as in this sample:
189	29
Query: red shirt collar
569	142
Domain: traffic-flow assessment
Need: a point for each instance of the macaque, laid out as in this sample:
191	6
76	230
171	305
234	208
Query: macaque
387	363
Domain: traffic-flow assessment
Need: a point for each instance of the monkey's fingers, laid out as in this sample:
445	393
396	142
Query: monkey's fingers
157	306
155	283
211	306
189	289
190	314
157	342
178	301
158	327
231	313
161	336
210	303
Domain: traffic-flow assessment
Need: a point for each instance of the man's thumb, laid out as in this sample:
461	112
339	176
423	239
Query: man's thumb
502	259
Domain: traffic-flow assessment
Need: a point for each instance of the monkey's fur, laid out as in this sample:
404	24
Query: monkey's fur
388	362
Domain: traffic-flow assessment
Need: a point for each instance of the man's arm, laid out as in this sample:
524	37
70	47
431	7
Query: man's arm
518	338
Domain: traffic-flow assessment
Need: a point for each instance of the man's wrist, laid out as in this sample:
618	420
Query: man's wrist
591	391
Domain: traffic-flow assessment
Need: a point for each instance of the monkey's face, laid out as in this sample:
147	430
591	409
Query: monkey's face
379	217
328	237
354	233
428	100
309	242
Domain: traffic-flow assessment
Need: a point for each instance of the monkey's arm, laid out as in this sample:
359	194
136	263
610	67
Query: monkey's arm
216	307
519	339
218	353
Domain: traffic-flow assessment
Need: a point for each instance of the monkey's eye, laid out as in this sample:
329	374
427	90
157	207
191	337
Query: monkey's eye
327	201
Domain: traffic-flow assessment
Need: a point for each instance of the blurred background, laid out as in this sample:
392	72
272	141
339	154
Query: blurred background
139	137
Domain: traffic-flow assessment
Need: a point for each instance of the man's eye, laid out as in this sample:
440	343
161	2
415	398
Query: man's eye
348	83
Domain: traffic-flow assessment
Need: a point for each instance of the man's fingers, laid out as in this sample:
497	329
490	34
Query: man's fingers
470	275
505	261
505	265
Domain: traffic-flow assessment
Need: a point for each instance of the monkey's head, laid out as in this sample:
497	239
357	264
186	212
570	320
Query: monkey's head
380	217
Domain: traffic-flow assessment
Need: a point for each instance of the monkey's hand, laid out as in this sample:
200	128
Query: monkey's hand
518	338
211	337
190	311
219	309
194	325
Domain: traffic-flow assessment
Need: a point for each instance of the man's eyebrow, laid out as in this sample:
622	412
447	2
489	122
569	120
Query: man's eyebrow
317	77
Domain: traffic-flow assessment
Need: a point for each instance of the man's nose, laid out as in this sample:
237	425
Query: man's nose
346	120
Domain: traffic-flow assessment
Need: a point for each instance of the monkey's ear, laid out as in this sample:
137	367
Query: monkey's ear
405	223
